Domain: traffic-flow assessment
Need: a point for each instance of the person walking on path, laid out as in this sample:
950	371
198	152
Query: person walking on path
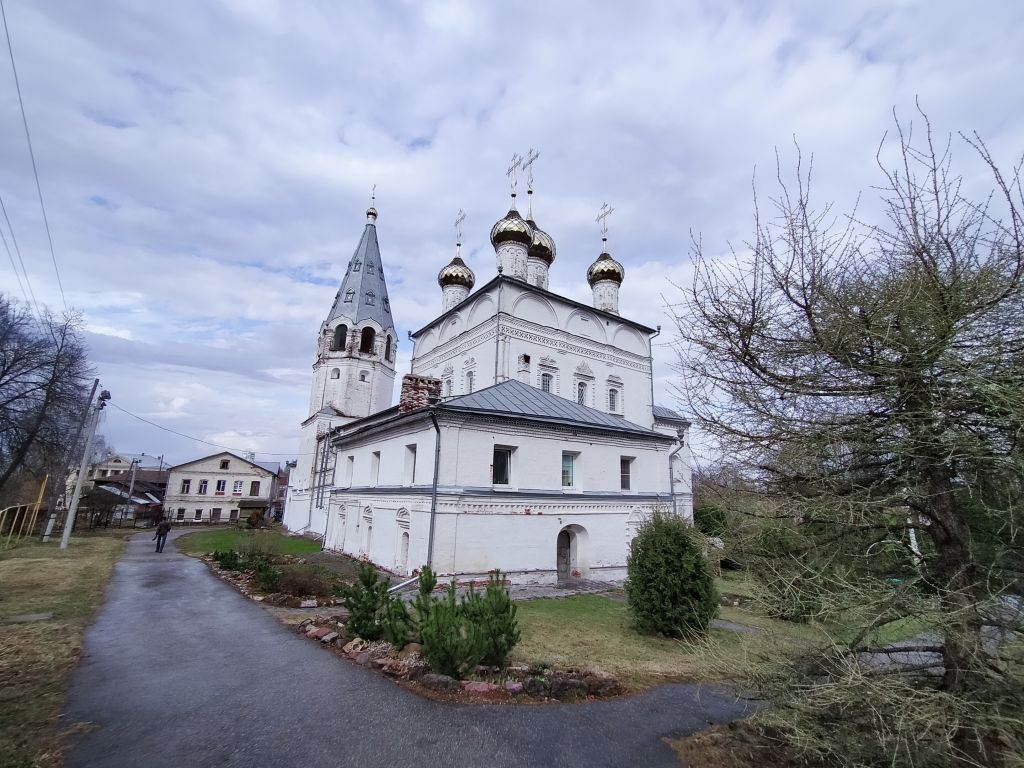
161	534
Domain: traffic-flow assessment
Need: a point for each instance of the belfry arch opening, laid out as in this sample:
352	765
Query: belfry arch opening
340	338
366	340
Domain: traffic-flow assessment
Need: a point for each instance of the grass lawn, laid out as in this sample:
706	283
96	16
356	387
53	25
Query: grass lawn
592	630
201	542
36	658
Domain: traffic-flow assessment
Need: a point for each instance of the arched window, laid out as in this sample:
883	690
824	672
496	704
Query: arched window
371	298
545	382
364	376
387	348
469	381
357	265
340	338
349	295
335	373
447	387
366	340
613	399
581	393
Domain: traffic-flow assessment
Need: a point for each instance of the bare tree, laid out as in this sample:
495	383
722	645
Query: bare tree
43	389
870	377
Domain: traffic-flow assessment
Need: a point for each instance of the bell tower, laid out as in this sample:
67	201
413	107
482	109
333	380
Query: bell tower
354	371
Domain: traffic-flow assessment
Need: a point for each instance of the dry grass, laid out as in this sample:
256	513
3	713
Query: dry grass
594	631
36	658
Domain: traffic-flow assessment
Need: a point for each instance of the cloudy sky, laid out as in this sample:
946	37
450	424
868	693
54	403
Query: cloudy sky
206	164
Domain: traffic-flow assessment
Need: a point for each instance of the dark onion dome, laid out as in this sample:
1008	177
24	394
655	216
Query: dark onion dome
542	247
605	268
371	214
456	273
512	228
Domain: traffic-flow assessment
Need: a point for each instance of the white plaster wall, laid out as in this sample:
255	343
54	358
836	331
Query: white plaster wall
572	343
606	295
452	295
209	469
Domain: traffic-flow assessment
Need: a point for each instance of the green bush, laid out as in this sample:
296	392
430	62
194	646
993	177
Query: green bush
423	601
710	519
302	580
266	577
255	519
452	644
228	559
395	621
494	613
669	586
365	601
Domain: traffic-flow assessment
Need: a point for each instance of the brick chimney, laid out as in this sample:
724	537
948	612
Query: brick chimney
418	392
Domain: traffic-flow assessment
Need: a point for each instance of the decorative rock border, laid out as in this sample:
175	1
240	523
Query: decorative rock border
514	683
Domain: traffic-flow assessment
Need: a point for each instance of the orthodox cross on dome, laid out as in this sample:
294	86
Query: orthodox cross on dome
517	163
528	167
373	196
458	231
602	218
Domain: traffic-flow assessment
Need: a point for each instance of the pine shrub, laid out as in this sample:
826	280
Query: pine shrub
452	644
266	577
365	601
423	602
669	586
494	613
395	621
228	559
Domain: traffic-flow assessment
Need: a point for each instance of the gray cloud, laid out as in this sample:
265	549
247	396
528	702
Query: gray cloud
206	165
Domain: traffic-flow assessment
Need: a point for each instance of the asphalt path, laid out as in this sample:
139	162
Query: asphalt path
181	670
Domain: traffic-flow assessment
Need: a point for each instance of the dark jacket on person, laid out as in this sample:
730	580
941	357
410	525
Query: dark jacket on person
164	528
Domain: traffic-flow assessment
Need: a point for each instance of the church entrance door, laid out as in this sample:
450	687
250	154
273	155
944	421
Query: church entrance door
564	554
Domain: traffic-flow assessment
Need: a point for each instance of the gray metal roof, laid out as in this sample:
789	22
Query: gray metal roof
516	399
661	412
363	294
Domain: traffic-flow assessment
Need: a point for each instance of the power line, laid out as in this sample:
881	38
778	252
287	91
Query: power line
32	155
17	250
14	267
200	440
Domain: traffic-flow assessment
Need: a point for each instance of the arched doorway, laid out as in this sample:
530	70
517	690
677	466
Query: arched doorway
570	550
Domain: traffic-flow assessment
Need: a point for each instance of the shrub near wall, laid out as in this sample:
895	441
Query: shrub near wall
669	586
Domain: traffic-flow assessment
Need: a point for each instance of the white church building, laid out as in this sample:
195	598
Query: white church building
525	438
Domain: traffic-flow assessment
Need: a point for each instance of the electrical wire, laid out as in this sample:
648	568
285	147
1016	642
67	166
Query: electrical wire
241	451
32	156
33	303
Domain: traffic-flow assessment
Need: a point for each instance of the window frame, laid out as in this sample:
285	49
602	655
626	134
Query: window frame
204	487
573	467
221	488
254	487
225	463
626	472
186	486
509	451
236	487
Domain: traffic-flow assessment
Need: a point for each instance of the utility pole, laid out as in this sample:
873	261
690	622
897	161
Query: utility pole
131	489
69	522
66	459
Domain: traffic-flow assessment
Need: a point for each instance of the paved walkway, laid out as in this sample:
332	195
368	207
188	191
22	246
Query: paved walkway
182	670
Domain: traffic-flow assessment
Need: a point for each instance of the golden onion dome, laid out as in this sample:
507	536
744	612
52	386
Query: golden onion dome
605	268
542	247
456	273
512	228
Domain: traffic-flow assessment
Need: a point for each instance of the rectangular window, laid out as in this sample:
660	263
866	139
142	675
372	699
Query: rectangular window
410	465
222	486
374	467
181	513
501	466
350	465
254	488
186	486
199	514
215	514
569	469
236	488
233	515
625	462
202	486
225	463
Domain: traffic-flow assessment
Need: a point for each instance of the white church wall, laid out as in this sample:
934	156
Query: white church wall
572	344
